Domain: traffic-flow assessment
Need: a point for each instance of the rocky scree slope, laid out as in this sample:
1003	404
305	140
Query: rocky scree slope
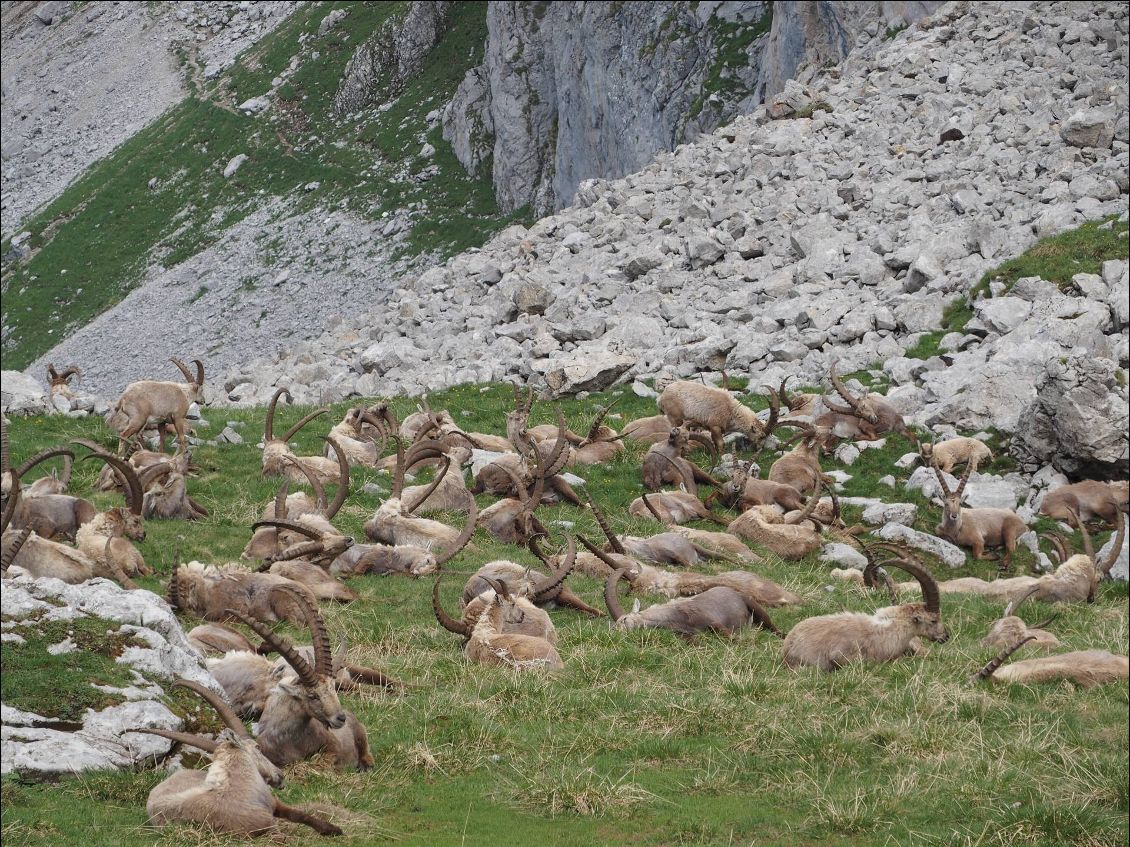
81	78
774	247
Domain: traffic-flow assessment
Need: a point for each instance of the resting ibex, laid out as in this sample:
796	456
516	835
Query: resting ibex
1089	499
794	537
61	381
667	463
719	609
276	451
494	641
44	508
393	524
647	579
829	642
359	449
800	467
166	491
303	715
1010	629
868	417
210	592
718	545
448	490
947	455
308	562
161	402
601	444
744	490
108	533
672	507
712	409
1083	667
215	639
534	621
233	794
667	548
520	581
977	528
650	430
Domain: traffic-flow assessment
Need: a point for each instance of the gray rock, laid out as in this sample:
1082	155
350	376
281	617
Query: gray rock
1088	128
568	376
948	553
21	394
884	513
843	555
233	165
1118	570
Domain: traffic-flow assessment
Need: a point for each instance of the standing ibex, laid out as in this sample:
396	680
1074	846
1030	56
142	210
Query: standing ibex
719	609
829	642
977	528
233	794
712	409
160	402
303	715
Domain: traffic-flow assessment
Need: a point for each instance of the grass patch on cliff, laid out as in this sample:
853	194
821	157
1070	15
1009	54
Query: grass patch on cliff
644	737
91	246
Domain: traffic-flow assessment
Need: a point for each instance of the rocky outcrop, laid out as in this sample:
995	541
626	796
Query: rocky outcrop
575	91
157	652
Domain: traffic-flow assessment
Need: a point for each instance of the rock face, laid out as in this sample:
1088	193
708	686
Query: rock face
574	91
1079	420
37	745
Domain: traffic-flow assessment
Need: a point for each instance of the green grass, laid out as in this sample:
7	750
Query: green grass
1056	258
644	738
91	246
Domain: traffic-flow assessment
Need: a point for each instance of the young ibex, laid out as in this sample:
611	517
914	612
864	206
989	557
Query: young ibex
977	528
719	609
276	451
947	455
233	794
1089	499
160	402
800	467
1082	667
712	409
829	642
868	417
303	715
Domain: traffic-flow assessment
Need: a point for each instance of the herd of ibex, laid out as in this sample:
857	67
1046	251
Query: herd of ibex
296	557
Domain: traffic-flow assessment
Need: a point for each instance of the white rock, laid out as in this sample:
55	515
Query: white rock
233	165
948	553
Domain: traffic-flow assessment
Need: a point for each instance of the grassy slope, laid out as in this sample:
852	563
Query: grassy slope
644	737
92	245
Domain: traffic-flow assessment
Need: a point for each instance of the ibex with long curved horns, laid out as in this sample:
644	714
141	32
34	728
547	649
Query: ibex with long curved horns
276	451
868	417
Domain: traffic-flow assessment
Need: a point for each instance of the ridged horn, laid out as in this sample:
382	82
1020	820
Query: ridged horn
611	597
445	620
183	368
342	481
613	541
554	580
227	714
269	422
464	536
323	653
999	660
134	495
305	419
281	645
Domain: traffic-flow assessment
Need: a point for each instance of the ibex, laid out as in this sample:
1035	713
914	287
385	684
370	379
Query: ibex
393	524
1082	667
108	533
303	715
667	548
314	513
60	381
161	402
308	562
800	467
977	528
533	621
652	430
210	593
667	463
44	508
526	582
349	434
718	545
744	490
647	579
947	455
712	409
868	417
1089	499
794	537
233	794
215	639
672	507
448	490
166	491
276	451
719	609
601	444
829	642
1010	629
493	640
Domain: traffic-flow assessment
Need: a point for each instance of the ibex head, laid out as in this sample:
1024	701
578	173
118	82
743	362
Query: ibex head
952	500
312	687
63	377
194	382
